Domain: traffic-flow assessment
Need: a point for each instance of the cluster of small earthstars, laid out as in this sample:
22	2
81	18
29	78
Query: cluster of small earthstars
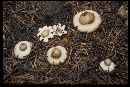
49	32
85	21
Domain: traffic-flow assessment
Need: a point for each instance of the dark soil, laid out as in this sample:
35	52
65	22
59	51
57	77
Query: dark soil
21	21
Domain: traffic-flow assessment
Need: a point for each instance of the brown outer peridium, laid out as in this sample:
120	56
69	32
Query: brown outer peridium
56	53
23	46
86	18
107	62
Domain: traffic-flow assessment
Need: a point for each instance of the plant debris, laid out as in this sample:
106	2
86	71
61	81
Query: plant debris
21	21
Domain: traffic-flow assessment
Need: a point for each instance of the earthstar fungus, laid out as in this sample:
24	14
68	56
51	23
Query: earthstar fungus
45	33
87	21
22	49
107	65
59	30
57	54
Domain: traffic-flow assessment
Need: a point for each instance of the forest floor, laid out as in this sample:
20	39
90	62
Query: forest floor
21	21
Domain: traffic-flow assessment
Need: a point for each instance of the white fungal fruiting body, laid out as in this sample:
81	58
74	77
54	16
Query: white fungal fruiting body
59	30
123	11
62	58
41	30
20	54
107	68
87	27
